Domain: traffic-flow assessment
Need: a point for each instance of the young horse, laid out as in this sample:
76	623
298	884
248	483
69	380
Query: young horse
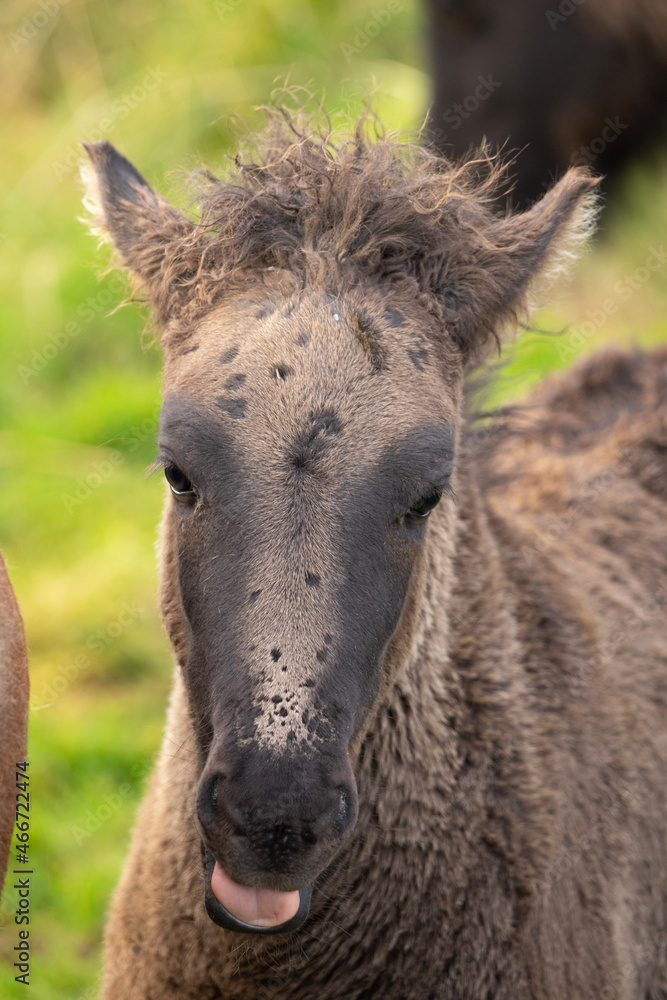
14	692
421	685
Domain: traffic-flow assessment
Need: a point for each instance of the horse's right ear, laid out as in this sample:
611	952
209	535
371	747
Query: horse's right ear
149	234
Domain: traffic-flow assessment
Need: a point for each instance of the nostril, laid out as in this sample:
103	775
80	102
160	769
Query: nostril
209	797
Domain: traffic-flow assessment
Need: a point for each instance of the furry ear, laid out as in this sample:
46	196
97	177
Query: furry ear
150	235
511	260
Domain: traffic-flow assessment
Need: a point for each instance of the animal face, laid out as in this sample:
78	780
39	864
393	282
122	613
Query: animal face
318	319
306	440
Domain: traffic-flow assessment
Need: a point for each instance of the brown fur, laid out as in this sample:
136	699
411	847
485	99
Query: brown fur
510	840
14	691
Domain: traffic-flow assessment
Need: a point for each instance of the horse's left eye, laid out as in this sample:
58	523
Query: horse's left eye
423	507
179	482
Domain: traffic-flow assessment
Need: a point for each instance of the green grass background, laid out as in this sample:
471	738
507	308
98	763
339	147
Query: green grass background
78	520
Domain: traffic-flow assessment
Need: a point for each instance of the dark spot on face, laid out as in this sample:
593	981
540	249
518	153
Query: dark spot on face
322	655
284	668
234	407
275	655
235	382
282	712
276	699
191	350
271	720
282	371
419	357
313	580
310	683
303	340
394	318
311	443
255	594
368	339
229	355
291	736
265	310
305	717
325	423
288	310
328	639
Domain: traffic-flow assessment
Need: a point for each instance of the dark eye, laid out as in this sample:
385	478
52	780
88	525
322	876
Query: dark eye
179	482
420	510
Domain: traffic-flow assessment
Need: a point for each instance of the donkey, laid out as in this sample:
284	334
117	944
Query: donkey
14	692
416	746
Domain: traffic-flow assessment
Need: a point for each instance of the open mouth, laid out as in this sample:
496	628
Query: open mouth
250	910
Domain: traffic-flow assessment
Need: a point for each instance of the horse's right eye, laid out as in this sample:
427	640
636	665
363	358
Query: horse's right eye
421	509
179	482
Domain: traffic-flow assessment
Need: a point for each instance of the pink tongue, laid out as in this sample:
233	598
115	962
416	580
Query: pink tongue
262	907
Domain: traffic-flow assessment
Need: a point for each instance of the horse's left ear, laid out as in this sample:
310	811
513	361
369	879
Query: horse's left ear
513	260
149	233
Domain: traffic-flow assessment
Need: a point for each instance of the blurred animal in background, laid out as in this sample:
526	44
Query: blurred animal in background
14	692
566	82
401	696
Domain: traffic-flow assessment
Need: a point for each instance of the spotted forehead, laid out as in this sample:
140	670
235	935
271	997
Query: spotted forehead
326	322
313	349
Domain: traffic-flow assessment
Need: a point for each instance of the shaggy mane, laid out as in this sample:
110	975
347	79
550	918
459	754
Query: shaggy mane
332	207
309	197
